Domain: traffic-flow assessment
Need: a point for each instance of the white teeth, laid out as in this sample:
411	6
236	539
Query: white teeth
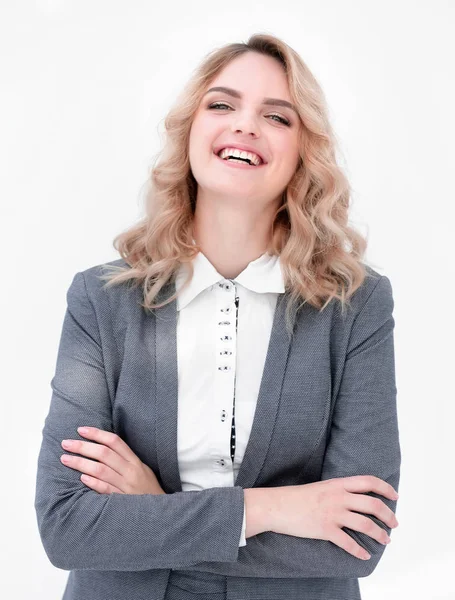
254	158
237	160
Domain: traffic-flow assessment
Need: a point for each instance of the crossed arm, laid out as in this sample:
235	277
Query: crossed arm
82	529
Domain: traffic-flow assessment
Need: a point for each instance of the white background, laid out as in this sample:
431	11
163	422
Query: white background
85	87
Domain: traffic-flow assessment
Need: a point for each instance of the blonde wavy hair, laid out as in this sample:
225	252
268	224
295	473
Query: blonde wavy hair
320	253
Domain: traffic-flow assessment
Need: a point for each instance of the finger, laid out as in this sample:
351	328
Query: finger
346	542
99	452
99	486
111	440
369	483
371	506
365	525
95	469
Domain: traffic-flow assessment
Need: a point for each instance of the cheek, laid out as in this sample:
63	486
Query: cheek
201	140
200	153
290	158
283	170
193	138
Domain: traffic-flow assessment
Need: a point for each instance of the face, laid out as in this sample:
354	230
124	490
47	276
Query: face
224	120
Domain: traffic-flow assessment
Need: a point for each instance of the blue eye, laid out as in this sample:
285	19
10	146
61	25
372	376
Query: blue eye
220	104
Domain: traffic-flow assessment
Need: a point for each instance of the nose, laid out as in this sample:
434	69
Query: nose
243	123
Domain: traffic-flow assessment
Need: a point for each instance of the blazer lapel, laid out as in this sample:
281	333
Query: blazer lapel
166	377
268	399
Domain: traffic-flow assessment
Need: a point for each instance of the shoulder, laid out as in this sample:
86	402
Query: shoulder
103	311
371	317
89	285
370	306
375	291
94	277
94	273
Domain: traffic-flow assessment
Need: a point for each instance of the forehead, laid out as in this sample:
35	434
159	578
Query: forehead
254	75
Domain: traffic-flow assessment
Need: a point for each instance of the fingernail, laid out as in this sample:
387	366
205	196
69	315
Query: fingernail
82	429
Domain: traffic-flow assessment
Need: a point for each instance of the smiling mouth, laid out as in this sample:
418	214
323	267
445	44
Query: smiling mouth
239	162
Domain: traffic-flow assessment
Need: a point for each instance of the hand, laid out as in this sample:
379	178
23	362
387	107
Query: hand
118	469
319	510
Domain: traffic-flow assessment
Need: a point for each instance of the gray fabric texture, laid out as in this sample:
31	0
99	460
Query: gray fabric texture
326	408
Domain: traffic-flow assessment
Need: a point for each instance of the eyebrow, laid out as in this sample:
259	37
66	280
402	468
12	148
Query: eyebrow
268	101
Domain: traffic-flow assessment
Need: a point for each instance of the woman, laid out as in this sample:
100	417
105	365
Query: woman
238	360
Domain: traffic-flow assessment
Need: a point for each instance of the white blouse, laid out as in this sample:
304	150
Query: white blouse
223	333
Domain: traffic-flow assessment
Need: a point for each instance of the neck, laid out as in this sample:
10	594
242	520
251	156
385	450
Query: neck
230	236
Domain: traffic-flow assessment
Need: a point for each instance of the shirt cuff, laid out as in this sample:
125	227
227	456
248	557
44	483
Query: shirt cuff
242	535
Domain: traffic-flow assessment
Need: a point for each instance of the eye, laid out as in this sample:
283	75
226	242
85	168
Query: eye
280	119
218	104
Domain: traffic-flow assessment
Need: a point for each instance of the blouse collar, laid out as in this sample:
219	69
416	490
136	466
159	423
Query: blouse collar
262	275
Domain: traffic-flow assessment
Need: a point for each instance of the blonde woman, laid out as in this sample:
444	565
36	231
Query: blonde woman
235	367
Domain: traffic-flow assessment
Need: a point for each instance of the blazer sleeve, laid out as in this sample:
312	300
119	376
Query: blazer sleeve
83	529
364	440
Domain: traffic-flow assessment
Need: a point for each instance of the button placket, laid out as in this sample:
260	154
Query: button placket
225	378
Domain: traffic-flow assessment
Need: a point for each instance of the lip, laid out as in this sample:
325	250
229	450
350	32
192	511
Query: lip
243	147
235	165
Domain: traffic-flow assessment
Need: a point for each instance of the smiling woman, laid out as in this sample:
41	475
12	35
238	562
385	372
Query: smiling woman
240	394
259	98
238	112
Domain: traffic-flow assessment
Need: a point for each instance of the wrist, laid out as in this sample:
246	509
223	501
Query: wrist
259	507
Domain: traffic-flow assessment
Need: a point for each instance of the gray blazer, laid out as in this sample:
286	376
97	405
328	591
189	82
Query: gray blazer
326	408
